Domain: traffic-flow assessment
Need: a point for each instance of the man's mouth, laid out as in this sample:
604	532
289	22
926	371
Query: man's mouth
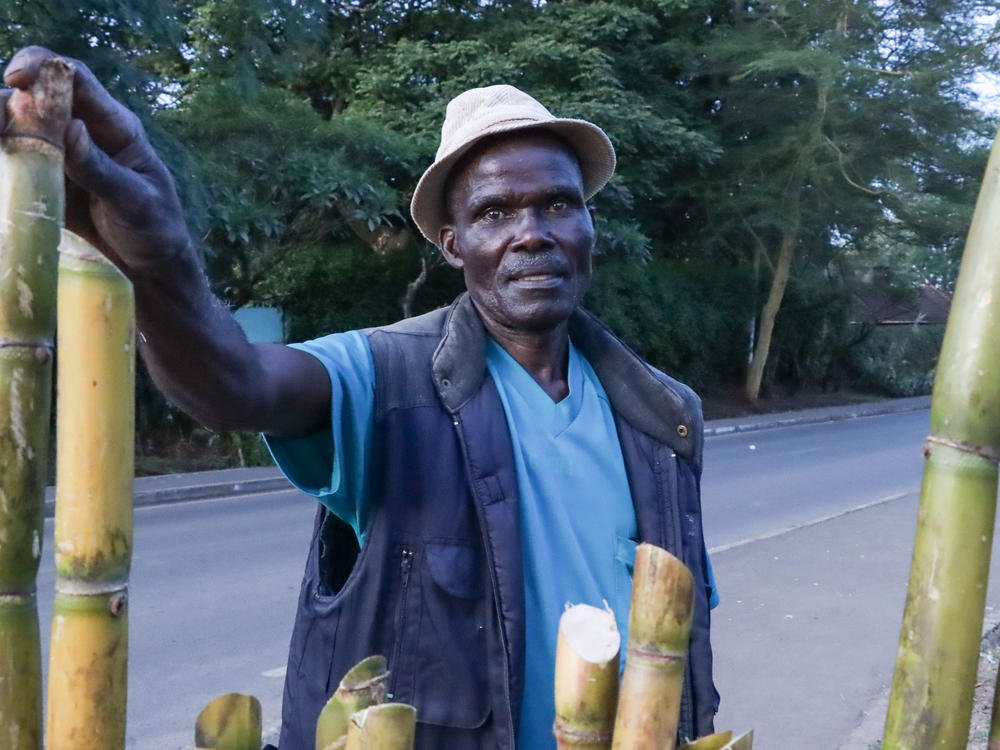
542	276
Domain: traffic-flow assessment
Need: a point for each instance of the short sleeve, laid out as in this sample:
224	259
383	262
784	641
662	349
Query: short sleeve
332	465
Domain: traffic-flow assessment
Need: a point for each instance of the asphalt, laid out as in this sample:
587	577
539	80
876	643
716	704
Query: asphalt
204	485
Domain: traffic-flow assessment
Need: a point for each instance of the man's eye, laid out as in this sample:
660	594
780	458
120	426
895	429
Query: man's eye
493	214
557	206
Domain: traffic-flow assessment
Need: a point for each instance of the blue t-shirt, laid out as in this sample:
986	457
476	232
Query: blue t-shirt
577	520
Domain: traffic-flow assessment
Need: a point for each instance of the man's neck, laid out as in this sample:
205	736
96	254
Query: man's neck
544	354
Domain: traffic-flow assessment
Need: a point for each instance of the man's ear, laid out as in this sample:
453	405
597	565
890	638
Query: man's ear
449	248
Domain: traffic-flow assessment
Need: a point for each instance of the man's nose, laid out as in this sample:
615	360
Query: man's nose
532	231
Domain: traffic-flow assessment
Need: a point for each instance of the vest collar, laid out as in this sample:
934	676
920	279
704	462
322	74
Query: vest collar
649	401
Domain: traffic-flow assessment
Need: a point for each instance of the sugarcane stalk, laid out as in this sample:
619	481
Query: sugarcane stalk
229	722
364	685
31	213
586	678
93	524
659	631
389	726
709	742
930	703
743	742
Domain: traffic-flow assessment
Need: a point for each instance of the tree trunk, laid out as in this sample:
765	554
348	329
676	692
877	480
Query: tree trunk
769	313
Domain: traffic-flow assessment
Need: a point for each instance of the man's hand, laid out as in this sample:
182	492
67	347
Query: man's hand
119	195
121	198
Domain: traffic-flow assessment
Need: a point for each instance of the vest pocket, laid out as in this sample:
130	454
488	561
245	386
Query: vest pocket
444	672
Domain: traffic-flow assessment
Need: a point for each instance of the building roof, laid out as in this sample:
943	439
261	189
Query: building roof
876	304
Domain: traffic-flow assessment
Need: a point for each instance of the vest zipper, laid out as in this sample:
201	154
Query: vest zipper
496	588
406	563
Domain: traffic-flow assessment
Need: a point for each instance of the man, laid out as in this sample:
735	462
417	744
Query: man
478	466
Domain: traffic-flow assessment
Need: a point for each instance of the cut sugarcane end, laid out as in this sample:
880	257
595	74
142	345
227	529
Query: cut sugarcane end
709	742
369	668
743	742
331	726
592	633
230	722
388	726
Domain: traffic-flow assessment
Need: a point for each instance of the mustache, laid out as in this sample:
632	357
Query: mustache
548	263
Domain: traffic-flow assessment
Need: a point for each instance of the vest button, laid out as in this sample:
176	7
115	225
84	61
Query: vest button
682	430
445	383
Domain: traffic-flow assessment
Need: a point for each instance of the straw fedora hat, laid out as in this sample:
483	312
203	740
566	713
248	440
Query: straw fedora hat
477	113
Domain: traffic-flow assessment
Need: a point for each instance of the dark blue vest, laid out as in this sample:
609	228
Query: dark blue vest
438	587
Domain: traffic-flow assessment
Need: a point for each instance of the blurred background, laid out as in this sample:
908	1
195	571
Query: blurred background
795	178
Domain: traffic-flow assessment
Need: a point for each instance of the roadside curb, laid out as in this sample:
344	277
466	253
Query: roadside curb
868	734
814	416
145	496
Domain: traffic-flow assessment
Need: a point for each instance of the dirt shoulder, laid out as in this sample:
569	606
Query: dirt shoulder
724	403
982	709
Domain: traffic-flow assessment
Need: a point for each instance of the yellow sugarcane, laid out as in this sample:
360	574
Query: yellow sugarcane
31	213
388	726
230	722
743	742
586	679
930	704
364	685
709	742
93	526
659	628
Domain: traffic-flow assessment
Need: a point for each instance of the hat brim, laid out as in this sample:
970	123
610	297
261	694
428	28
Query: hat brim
591	145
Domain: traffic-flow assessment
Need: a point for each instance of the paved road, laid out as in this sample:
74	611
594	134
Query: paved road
812	530
812	593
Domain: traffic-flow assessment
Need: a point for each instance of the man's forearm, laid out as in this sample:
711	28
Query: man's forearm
195	350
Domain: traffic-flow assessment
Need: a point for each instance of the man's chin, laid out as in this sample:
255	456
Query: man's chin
539	316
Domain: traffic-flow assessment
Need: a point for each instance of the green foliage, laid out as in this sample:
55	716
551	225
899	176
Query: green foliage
667	310
898	361
325	179
296	132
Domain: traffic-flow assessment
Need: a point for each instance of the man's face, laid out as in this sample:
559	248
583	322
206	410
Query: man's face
521	232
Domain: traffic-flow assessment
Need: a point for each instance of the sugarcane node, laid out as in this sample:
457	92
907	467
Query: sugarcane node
117	604
41	112
579	736
973	450
654	658
45	344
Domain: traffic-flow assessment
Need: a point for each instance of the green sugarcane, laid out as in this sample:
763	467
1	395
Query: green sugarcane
31	212
387	726
364	685
230	722
932	689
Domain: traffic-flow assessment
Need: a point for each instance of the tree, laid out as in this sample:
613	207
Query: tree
832	117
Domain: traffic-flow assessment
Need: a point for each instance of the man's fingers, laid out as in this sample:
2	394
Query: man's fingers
92	169
112	126
22	70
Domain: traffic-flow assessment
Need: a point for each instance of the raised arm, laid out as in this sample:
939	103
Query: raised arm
121	198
